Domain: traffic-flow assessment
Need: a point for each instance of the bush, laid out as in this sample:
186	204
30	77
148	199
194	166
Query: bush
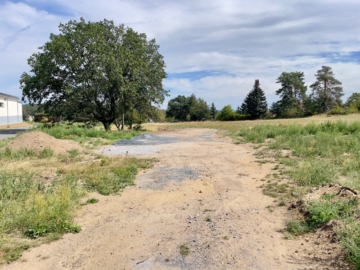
228	114
337	110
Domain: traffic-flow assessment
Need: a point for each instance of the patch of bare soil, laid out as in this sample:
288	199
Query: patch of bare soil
38	141
199	207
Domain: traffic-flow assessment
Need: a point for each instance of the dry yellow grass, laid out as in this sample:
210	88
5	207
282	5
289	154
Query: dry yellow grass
17	125
231	125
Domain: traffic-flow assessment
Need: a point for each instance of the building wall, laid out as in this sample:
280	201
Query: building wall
10	110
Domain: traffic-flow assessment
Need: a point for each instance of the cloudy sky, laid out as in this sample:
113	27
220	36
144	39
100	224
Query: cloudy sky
214	48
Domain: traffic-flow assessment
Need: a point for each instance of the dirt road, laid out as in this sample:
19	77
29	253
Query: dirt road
199	207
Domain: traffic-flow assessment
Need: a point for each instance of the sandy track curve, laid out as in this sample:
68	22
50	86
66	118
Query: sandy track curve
216	210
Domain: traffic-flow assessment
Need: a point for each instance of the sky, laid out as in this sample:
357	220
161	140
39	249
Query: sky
214	48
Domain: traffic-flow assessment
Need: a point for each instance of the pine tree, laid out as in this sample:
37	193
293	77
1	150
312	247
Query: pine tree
212	111
255	102
326	91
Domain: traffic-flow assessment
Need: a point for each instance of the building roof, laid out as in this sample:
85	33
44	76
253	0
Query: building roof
6	95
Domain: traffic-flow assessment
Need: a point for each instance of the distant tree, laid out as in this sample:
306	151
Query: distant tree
292	95
188	109
292	86
227	114
212	111
255	105
199	110
178	108
326	91
353	101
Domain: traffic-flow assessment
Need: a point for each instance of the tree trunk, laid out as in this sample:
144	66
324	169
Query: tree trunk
106	126
123	121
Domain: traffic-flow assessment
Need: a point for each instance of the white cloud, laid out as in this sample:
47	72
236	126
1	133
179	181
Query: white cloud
240	41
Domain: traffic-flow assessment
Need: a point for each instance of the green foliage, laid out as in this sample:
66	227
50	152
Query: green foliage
83	134
292	95
320	212
31	208
108	176
95	71
178	108
188	109
353	103
228	114
337	110
213	111
255	105
323	152
320	154
292	87
46	153
297	227
326	91
349	234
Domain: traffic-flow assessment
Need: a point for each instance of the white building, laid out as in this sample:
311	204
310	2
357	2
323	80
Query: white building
10	110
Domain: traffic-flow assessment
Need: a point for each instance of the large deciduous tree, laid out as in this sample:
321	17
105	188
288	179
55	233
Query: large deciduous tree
255	105
178	108
95	70
188	108
326	91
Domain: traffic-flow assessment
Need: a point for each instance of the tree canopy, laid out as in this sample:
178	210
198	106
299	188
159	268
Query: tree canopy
327	91
188	108
97	71
292	95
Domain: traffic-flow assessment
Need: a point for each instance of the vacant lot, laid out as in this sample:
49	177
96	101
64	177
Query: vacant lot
208	203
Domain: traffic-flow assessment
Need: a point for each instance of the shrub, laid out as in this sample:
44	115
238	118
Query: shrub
337	110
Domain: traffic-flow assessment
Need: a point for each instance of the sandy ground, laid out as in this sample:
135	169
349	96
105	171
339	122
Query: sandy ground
202	194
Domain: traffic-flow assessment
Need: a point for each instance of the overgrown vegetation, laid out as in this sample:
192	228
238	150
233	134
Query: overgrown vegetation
40	192
83	134
316	154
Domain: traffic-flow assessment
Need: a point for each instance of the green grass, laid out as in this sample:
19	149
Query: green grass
320	212
109	175
35	210
322	153
316	154
86	135
29	209
14	155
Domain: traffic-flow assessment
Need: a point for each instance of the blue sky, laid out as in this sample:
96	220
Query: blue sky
214	49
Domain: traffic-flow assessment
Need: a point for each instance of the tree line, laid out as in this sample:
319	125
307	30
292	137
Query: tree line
294	101
107	73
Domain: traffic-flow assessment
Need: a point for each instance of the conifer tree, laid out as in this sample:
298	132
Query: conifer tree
326	91
255	102
212	111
